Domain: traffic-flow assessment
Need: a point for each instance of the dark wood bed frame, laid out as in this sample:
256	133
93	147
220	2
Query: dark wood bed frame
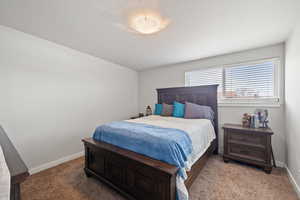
17	168
140	177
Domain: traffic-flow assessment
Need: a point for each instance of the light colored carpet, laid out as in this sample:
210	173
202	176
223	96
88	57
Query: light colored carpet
217	181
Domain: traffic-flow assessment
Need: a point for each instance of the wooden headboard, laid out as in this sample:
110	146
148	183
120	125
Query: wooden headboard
202	95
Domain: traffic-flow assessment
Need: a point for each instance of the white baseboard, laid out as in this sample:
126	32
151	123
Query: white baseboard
293	181
55	162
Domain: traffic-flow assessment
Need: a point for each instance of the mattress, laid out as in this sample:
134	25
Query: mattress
201	132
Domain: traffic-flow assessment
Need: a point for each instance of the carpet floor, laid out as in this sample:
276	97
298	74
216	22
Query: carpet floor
217	181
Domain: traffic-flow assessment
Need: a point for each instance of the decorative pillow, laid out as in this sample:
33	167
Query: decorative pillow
178	109
158	109
167	110
195	111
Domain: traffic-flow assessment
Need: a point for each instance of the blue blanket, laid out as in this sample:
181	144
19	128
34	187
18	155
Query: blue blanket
166	144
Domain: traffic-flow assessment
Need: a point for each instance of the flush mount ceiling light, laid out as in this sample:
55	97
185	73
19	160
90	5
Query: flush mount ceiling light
147	22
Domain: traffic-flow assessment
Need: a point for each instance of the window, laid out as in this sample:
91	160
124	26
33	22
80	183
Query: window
241	83
208	76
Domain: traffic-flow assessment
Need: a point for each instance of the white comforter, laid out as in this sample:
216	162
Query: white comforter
201	132
4	178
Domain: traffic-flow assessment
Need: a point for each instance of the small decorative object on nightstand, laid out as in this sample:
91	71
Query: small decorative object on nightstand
263	115
148	111
246	120
249	145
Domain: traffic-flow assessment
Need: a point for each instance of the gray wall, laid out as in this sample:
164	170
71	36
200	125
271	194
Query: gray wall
173	76
292	100
53	96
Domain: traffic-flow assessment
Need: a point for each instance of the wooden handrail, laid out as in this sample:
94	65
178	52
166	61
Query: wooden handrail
17	168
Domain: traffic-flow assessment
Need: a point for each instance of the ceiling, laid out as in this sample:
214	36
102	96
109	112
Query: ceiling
198	28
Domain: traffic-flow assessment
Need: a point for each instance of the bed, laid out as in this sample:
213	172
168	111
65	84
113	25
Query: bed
137	176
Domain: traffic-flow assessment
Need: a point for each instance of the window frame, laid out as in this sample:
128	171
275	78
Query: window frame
275	101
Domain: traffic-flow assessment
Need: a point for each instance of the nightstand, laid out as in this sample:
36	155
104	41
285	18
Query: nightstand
249	145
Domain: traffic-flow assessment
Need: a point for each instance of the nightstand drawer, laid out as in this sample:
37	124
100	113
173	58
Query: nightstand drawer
252	153
251	138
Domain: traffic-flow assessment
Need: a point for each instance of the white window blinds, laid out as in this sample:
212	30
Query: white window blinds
256	80
249	81
205	77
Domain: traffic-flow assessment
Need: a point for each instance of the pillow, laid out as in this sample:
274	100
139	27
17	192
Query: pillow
158	109
167	110
178	109
195	111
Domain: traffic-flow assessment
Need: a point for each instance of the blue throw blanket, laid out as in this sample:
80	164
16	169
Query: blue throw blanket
166	144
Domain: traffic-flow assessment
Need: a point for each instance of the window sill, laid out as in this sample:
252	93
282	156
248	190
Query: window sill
260	104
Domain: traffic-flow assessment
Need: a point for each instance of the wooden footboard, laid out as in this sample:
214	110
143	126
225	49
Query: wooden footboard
133	175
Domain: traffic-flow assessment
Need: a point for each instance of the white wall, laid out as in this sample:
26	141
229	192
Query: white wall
173	76
53	96
292	106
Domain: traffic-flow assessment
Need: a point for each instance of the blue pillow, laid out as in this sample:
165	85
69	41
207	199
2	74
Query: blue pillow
178	109
158	109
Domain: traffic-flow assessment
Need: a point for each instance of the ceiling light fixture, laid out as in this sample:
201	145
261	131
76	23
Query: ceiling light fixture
147	22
